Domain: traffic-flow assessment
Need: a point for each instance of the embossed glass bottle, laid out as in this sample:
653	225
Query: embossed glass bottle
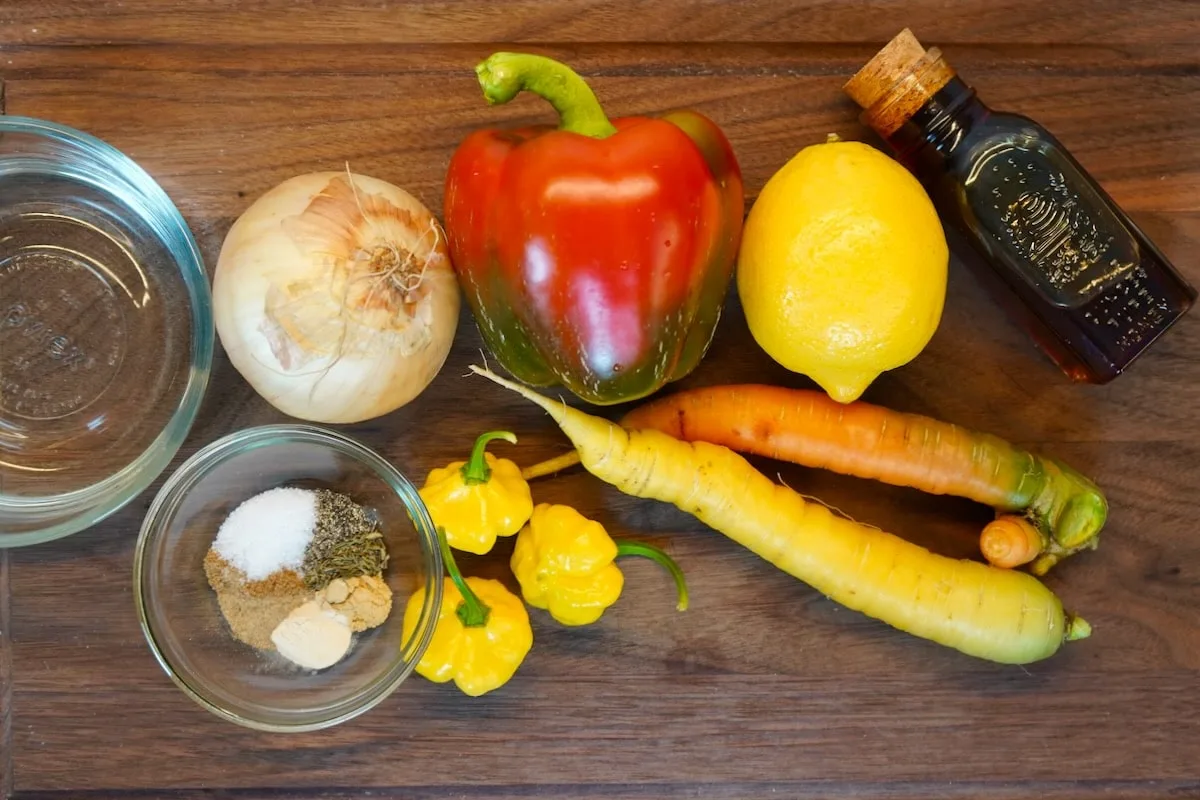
1074	269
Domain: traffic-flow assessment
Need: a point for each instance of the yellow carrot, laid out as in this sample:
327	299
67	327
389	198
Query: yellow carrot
1000	615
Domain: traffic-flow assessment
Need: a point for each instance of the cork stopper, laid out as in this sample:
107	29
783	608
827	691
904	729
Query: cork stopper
897	82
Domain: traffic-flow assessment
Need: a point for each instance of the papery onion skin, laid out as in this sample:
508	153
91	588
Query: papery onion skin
335	298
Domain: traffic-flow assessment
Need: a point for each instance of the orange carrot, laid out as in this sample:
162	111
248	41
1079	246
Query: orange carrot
1010	541
868	441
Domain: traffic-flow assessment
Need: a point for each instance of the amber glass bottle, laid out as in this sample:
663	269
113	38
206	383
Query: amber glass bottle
1072	267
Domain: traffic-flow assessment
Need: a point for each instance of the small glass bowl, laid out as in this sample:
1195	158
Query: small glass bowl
178	609
106	334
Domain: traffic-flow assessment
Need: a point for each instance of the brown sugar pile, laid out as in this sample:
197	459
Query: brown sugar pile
254	608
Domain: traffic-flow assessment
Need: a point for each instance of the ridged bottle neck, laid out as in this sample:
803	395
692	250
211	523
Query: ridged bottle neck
941	123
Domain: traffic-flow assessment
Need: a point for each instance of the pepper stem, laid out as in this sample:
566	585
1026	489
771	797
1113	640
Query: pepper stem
476	470
472	612
505	75
659	556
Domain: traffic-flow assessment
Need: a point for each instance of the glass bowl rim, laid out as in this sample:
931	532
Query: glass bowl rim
82	508
214	454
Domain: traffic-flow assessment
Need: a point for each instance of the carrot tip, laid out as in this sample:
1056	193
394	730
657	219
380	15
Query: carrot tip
554	409
550	466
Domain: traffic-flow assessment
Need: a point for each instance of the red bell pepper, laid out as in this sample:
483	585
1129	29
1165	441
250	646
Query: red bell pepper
596	254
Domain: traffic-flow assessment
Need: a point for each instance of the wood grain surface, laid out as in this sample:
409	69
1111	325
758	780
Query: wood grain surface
763	688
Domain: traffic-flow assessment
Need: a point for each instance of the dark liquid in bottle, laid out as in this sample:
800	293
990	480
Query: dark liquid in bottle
1060	254
1094	290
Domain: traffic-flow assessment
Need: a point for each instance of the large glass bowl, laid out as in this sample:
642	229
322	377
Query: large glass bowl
179	612
106	333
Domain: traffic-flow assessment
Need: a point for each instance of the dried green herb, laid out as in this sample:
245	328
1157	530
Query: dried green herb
347	542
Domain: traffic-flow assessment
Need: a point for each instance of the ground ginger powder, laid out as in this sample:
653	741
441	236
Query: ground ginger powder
364	600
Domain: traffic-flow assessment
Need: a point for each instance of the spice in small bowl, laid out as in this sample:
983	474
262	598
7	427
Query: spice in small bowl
298	571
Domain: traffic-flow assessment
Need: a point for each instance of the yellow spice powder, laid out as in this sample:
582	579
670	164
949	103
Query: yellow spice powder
364	600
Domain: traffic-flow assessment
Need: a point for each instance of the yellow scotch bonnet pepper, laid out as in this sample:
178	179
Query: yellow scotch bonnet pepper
477	500
481	636
565	564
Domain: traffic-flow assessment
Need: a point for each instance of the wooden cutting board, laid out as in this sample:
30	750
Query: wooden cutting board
763	688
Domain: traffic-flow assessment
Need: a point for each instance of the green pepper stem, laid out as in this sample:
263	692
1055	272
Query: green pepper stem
472	612
505	75
476	470
659	556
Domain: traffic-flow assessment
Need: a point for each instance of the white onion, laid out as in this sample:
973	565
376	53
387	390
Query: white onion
334	297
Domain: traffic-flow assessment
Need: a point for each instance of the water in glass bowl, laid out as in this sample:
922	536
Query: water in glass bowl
95	334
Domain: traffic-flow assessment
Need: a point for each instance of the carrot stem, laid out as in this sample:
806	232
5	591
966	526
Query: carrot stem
1077	628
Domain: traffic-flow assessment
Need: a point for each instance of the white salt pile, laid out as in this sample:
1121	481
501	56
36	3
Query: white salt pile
269	532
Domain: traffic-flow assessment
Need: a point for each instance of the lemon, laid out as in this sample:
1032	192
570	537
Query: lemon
842	270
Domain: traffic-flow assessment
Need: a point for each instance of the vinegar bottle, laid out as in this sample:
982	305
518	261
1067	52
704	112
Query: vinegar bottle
1073	269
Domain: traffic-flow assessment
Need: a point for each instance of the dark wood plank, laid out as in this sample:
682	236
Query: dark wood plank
782	682
893	790
657	694
6	679
441	21
763	687
239	121
369	111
